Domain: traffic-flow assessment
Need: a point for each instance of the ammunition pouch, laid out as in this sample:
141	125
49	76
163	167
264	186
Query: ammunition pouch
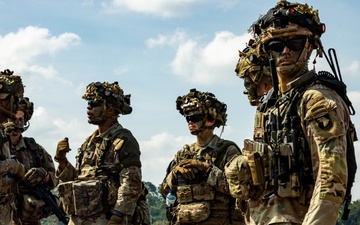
82	198
258	160
88	197
195	192
193	212
289	185
66	196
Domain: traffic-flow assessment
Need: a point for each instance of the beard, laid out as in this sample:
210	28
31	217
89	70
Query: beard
98	119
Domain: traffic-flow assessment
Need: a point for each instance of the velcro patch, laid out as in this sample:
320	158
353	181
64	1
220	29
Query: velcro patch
118	143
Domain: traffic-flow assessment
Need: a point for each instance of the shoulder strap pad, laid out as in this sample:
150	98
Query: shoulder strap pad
34	150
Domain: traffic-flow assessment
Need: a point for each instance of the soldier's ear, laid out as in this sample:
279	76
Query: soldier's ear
210	122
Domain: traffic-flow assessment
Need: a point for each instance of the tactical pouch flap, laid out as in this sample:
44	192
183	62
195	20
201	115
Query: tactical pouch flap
195	192
193	212
184	194
88	197
66	196
203	192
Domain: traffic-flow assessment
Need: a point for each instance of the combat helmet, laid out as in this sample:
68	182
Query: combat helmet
27	107
254	66
204	102
16	124
109	93
10	86
289	19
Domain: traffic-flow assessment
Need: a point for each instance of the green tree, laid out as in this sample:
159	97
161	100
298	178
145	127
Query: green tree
156	204
354	216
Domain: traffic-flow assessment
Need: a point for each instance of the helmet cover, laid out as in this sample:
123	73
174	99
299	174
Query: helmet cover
251	64
10	84
111	94
27	107
289	19
204	102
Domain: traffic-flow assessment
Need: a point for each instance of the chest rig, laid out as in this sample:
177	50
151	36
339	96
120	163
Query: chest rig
94	153
213	156
279	157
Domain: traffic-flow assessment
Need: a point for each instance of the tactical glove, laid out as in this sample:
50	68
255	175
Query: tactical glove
9	127
35	175
61	150
16	168
187	173
116	220
194	163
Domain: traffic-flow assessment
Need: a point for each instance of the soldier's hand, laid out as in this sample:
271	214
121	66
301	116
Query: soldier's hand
187	173
61	150
20	170
9	127
16	168
194	163
35	175
115	220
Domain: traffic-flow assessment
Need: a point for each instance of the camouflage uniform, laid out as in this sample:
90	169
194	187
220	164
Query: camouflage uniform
324	119
112	160
295	173
24	155
222	210
38	164
204	199
11	88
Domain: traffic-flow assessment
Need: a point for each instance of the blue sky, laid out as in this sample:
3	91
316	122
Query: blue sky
156	50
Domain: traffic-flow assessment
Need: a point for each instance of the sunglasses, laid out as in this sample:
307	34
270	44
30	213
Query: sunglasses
194	117
93	103
295	44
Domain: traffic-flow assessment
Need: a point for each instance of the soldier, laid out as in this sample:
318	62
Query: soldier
197	173
254	70
38	164
105	186
295	170
11	170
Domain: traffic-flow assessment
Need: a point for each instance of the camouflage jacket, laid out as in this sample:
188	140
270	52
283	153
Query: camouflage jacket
114	154
223	204
323	119
23	153
8	181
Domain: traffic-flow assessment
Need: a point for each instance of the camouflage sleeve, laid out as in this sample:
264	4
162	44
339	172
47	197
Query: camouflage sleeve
9	165
217	177
48	164
325	121
68	174
164	189
129	190
239	178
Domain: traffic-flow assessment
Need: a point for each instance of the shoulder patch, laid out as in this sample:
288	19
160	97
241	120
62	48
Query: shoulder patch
118	143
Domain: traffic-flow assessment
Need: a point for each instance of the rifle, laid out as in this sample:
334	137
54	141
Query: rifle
42	191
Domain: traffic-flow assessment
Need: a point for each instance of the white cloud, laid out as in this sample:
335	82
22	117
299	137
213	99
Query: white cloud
353	68
161	8
208	63
157	153
23	46
178	37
